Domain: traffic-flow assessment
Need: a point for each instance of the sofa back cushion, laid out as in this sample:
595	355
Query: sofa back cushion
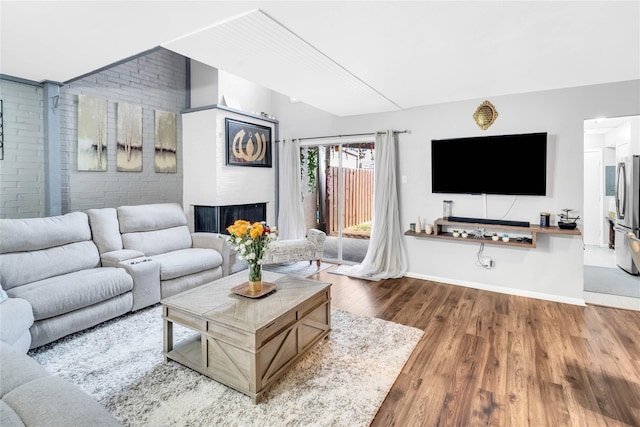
158	241
31	234
154	229
33	249
105	229
150	217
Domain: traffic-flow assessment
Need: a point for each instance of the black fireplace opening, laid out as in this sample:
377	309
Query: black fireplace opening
216	219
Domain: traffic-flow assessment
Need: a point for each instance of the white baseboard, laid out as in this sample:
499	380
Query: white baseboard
501	289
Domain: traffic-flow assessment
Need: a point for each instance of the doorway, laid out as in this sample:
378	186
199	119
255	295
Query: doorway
606	141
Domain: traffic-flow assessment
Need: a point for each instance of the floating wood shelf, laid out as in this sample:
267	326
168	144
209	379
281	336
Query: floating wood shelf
440	231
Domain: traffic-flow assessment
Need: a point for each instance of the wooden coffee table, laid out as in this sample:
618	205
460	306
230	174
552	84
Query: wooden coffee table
242	342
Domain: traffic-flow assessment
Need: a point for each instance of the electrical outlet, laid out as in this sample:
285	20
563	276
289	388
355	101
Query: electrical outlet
487	262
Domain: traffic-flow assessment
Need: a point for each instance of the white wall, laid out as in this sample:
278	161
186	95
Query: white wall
203	84
247	96
208	181
553	270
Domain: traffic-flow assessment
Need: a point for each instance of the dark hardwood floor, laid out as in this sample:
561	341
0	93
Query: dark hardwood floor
501	360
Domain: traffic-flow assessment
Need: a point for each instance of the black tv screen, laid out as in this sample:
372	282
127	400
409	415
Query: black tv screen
504	164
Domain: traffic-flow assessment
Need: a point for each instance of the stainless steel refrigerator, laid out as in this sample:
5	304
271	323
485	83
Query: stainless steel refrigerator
628	210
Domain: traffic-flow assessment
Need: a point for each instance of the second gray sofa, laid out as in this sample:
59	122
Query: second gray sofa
157	235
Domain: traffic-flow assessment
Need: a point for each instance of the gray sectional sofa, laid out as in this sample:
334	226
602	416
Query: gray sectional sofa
80	269
63	274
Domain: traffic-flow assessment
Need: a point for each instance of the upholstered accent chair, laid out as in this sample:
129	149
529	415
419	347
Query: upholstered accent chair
308	249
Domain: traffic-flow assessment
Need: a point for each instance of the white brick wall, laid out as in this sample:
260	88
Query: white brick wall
22	170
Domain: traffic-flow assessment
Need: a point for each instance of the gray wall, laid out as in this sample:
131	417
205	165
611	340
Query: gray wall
156	81
22	170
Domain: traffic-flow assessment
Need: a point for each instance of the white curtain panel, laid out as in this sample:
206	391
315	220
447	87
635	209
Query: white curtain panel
291	224
387	256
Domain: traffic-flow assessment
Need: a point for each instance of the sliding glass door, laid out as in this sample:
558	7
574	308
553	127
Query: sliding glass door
338	195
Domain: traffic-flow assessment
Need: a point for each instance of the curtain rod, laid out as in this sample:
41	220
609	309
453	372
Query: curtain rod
351	134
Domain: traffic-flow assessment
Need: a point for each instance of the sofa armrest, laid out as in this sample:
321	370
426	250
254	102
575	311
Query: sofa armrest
145	273
16	317
218	242
208	241
317	237
113	258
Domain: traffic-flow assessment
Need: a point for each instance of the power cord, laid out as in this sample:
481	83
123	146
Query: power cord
483	261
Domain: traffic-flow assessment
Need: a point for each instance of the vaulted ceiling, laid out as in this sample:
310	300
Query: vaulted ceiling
344	57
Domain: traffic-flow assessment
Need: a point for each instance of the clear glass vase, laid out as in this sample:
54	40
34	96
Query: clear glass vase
255	277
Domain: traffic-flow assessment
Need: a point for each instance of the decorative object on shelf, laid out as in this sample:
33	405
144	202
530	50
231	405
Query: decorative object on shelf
456	233
485	115
495	237
419	226
251	241
447	208
428	229
478	233
247	144
412	226
544	219
464	234
505	237
566	221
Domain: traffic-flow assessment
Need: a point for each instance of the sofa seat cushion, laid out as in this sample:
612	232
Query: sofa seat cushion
187	261
32	397
63	294
54	402
292	245
9	417
17	369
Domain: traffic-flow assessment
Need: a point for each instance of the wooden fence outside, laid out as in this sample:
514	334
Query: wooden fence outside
358	195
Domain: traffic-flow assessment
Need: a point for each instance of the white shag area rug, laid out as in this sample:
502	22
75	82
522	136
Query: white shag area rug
342	381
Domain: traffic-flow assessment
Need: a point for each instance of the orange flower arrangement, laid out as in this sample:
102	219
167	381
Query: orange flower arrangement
251	241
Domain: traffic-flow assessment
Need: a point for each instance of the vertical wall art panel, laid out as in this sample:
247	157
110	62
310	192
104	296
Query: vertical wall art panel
129	137
166	143
92	133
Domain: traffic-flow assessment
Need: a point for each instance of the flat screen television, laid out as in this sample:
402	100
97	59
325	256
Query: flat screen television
503	164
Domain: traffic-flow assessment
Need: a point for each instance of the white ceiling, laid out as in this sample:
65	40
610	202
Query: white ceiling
345	57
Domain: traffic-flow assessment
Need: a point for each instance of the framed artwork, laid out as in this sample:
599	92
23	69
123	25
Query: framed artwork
129	138
247	144
92	133
166	145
